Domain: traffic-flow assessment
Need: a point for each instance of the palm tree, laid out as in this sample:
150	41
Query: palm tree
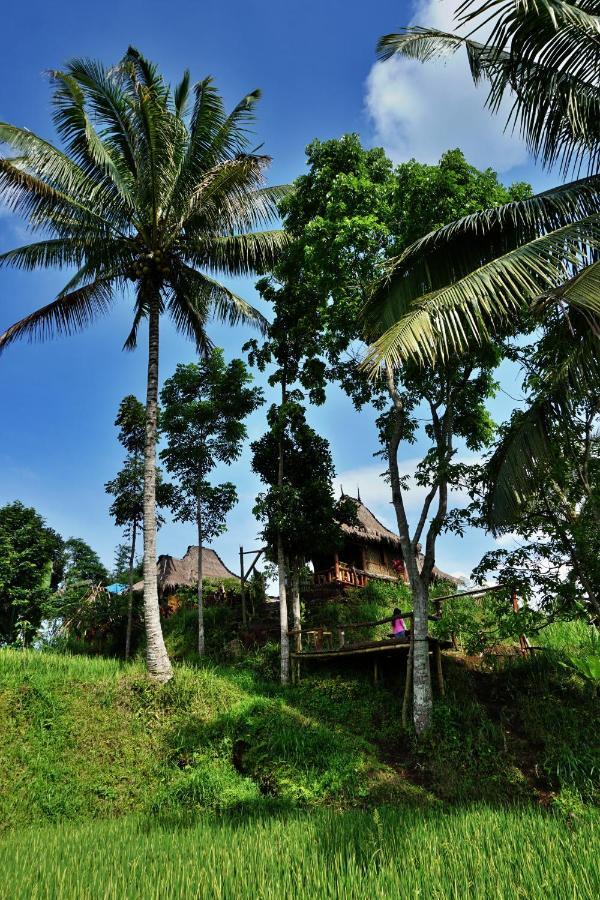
460	283
155	191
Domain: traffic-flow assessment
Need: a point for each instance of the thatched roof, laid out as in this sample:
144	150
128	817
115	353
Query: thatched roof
368	528
173	573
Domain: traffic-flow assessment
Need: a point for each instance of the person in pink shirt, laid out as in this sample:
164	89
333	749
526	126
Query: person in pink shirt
398	626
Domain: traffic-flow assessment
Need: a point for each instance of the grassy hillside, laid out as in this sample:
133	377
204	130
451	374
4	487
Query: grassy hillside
220	784
89	738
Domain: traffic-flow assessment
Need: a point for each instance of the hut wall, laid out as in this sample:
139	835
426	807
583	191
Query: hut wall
378	559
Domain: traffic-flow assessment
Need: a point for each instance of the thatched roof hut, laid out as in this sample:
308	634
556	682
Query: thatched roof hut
174	573
370	550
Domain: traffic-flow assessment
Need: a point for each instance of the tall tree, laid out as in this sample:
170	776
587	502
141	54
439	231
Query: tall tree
348	216
31	565
82	563
298	509
152	189
127	488
204	407
299	512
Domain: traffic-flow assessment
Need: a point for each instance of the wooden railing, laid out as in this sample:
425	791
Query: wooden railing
322	636
342	573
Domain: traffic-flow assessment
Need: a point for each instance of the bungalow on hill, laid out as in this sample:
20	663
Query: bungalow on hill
369	551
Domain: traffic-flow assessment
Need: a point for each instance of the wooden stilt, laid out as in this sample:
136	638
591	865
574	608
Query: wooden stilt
375	673
408	682
439	670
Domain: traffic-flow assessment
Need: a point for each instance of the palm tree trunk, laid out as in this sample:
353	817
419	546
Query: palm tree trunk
157	659
130	598
200	606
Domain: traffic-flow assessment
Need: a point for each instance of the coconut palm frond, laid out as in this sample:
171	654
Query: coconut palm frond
238	254
182	94
69	313
220	193
516	222
516	463
100	162
109	105
542	57
45	254
472	306
45	206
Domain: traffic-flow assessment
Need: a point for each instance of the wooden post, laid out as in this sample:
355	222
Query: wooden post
342	637
375	672
243	586
336	561
523	642
440	672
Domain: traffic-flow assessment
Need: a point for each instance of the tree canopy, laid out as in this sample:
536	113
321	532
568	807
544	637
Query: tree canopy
31	566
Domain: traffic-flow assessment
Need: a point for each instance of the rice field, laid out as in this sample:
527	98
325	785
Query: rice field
477	852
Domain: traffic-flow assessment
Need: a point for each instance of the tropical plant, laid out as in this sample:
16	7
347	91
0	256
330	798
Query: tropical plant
348	215
82	563
542	254
204	407
153	190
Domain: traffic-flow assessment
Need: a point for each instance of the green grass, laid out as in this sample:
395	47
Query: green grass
569	636
90	738
479	853
222	784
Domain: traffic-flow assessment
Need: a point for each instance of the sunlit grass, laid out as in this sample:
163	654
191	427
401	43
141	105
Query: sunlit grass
471	853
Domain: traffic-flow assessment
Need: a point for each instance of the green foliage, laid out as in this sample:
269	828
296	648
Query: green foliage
303	510
89	737
485	620
31	564
375	601
144	190
487	271
127	487
205	404
81	563
220	622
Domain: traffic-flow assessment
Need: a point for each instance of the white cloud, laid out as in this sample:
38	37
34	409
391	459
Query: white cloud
375	491
507	541
421	110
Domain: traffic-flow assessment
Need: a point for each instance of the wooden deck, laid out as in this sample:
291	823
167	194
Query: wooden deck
388	645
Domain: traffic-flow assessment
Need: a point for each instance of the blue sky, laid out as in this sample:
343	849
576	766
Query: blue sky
315	64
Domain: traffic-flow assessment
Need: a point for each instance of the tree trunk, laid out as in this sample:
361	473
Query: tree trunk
157	659
296	608
421	675
130	597
408	682
283	610
283	613
422	695
200	606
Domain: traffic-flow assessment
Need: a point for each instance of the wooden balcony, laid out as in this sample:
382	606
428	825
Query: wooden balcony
341	574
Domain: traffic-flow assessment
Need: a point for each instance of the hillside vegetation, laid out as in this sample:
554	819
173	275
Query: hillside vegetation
218	781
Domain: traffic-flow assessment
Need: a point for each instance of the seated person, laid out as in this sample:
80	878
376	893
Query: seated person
398	626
